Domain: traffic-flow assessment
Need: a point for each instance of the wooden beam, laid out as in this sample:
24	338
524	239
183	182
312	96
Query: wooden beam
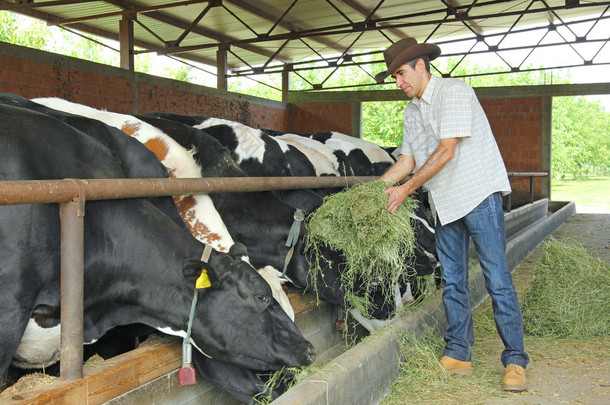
126	42
221	68
103	382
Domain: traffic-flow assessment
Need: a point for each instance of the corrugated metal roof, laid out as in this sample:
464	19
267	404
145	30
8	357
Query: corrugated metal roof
270	35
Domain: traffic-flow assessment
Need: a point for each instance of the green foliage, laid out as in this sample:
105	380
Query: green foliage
182	73
382	122
17	30
268	86
581	140
570	294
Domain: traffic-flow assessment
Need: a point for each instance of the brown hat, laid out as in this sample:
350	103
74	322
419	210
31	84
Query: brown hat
403	51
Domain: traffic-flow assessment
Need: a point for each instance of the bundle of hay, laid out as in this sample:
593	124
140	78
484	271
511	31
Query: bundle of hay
374	243
570	294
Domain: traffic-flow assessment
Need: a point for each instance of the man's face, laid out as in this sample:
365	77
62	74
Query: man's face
410	80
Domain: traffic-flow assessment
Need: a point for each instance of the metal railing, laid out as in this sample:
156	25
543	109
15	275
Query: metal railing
531	175
72	194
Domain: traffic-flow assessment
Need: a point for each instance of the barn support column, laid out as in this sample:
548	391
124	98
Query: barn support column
72	285
286	83
546	128
356	119
221	67
126	40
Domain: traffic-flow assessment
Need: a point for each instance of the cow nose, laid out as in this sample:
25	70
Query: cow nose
311	353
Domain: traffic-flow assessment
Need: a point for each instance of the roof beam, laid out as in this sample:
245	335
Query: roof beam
220	39
463	15
270	14
366	13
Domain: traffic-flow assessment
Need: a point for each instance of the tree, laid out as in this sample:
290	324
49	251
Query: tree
581	140
25	32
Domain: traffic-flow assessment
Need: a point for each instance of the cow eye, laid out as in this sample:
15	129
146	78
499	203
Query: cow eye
263	298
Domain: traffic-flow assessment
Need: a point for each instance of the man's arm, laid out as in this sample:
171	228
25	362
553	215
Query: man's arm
399	170
439	158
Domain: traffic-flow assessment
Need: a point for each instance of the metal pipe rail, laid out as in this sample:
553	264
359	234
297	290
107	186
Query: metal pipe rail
62	191
531	175
72	194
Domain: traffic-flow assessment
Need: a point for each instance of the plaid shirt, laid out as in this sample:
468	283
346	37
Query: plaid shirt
449	108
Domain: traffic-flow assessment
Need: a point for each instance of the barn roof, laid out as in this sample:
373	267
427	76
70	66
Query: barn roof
264	36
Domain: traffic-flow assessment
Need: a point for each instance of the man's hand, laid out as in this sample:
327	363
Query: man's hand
397	196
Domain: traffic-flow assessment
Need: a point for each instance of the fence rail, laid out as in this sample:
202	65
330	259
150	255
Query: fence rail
531	175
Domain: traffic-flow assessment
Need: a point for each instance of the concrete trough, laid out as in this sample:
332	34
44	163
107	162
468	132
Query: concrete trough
363	374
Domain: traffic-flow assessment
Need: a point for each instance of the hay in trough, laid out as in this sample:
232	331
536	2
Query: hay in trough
375	244
570	294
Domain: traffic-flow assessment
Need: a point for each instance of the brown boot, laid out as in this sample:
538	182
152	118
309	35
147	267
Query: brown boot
514	379
453	366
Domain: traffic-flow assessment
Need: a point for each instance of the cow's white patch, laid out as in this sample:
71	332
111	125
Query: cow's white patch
182	334
370	149
319	147
272	277
372	324
320	162
422	220
340	145
39	347
249	142
283	145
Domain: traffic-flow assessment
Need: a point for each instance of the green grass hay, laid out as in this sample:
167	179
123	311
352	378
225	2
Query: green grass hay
374	242
570	294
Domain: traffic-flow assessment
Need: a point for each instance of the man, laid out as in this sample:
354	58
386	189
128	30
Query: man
449	143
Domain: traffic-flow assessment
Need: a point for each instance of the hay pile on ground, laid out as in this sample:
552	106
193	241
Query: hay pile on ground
374	243
570	294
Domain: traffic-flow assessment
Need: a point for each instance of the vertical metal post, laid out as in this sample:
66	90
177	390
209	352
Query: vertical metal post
221	67
126	41
286	82
531	189
72	288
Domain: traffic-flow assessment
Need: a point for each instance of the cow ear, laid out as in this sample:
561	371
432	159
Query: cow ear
200	274
238	250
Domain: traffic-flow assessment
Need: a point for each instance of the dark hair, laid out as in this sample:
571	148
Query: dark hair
426	59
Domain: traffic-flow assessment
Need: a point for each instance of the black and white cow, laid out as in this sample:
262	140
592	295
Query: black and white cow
140	260
265	231
197	211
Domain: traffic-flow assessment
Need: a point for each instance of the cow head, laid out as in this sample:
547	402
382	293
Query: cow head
237	320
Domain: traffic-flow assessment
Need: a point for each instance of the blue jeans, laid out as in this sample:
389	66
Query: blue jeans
485	224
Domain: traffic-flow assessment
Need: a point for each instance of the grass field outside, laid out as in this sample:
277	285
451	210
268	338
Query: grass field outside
590	195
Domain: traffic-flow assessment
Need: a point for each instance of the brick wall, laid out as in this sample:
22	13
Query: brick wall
30	73
516	124
315	117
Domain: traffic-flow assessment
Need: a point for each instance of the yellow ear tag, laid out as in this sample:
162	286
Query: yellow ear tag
203	281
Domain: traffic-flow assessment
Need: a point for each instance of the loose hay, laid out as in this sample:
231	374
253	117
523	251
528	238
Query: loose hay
570	294
27	383
373	242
